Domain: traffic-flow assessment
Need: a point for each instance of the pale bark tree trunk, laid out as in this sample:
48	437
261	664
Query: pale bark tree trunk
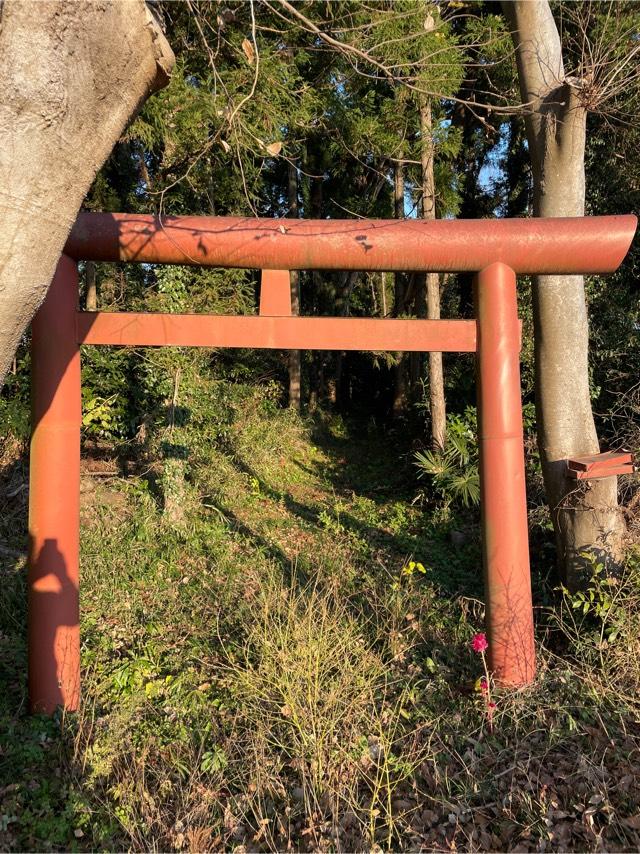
383	294
91	301
437	403
399	306
312	187
295	356
586	519
72	76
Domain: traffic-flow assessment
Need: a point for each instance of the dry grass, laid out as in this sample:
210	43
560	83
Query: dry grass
321	733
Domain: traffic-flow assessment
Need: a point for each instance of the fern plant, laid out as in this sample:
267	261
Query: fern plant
454	471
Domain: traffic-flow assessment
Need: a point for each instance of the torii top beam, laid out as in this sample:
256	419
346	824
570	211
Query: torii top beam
529	246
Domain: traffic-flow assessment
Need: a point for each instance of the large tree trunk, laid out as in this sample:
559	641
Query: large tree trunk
437	403
72	76
586	519
295	360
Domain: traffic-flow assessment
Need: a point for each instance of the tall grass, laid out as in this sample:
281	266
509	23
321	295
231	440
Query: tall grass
320	728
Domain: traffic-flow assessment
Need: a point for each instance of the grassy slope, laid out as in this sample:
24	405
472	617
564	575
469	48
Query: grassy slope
261	672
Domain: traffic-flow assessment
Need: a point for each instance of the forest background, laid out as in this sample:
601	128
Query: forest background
281	563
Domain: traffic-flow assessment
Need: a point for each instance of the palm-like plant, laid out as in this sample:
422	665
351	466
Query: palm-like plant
454	471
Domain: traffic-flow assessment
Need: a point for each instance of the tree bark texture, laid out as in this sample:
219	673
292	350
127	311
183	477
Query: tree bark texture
586	518
73	75
437	404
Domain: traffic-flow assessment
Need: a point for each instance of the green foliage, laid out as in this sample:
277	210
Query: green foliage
595	613
214	760
15	414
99	415
15	417
454	471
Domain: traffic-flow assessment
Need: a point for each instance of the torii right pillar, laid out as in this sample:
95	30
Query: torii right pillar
505	539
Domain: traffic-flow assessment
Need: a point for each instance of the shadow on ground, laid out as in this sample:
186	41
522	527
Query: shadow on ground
377	468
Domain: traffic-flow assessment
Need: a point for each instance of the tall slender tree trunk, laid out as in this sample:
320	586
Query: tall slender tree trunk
347	282
399	304
383	294
437	403
586	519
313	201
295	356
72	76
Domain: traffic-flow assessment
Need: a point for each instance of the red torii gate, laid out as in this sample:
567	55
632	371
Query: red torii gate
494	250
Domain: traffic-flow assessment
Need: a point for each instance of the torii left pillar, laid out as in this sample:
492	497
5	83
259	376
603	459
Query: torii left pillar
54	499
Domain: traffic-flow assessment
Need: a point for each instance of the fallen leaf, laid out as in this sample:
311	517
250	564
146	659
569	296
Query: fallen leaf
249	52
274	148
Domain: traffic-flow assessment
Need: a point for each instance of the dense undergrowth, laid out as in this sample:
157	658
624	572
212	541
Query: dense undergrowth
276	656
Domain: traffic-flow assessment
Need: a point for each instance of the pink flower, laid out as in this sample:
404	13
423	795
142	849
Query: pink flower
479	642
483	685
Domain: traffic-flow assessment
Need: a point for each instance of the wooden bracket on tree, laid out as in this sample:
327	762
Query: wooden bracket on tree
607	464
